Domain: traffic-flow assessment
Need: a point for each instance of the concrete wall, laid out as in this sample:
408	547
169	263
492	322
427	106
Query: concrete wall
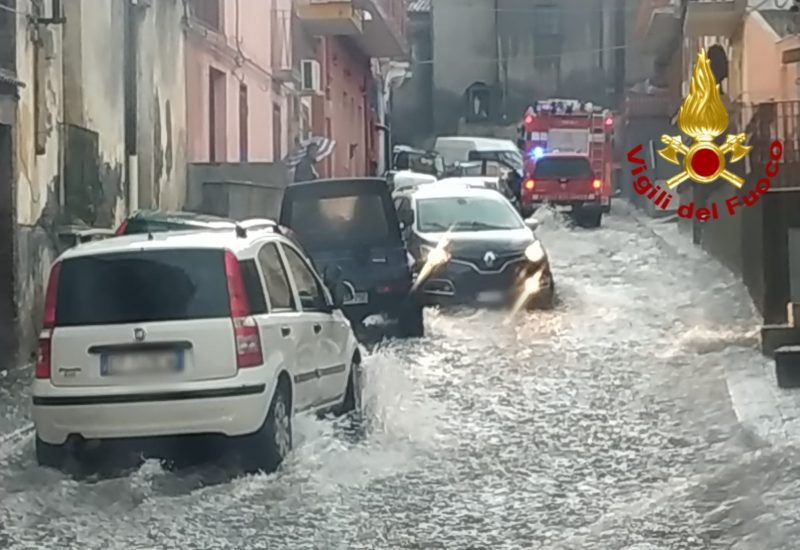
161	106
71	131
38	148
238	191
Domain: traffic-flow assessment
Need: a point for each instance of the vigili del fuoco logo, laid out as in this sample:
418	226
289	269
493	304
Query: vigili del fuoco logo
703	118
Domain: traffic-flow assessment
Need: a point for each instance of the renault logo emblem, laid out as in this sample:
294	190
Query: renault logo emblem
489	258
139	334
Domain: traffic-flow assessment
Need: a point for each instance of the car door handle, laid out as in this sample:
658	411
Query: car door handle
286	331
317	328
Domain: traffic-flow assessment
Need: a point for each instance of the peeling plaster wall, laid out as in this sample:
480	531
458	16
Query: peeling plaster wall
161	101
37	174
94	62
80	86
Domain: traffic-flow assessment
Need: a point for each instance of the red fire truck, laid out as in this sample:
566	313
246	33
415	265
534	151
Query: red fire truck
567	128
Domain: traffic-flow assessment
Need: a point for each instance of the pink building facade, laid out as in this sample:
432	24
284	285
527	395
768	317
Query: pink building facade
238	107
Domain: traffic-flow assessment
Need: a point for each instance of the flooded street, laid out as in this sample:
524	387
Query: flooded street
606	423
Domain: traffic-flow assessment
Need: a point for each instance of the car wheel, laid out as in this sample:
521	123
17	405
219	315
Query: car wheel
353	393
51	456
273	442
411	322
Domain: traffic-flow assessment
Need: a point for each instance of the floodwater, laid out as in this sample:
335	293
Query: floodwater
606	423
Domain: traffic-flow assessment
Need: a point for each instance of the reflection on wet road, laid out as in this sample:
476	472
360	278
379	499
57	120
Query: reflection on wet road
604	424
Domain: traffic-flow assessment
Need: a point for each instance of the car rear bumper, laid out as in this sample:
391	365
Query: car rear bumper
230	411
572	204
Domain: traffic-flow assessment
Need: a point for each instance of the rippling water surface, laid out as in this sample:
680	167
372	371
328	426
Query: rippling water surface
603	424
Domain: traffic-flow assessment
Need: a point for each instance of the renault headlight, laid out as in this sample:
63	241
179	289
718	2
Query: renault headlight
435	255
535	253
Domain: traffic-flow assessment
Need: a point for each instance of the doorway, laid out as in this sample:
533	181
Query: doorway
7	309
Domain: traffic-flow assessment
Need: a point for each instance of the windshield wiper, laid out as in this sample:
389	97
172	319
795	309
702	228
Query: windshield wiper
434	226
481	225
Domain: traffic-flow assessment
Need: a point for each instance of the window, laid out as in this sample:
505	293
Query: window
478	102
253	287
278	287
546	20
216	116
547	39
312	297
243	123
135	287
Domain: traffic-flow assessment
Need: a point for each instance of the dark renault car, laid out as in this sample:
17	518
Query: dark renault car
351	224
473	248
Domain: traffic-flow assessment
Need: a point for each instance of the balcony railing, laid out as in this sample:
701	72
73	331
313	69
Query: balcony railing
767	122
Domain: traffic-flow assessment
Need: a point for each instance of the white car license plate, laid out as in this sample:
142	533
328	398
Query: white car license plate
358	298
141	364
490	296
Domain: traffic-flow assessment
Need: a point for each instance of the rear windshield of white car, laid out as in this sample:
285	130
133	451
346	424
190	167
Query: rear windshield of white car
566	167
136	287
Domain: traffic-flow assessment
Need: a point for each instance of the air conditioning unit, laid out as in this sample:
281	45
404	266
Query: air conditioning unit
311	81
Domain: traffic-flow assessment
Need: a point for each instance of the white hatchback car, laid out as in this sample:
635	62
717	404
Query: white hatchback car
213	332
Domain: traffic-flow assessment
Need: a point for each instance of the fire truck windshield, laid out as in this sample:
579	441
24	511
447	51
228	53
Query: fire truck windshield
563	167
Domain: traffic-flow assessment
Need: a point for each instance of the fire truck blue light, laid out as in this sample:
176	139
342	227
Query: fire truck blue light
537	152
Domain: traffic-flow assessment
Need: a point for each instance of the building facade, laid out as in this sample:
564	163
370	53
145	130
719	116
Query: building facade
91	126
493	58
345	37
239	99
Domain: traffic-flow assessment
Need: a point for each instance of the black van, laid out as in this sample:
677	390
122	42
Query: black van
351	223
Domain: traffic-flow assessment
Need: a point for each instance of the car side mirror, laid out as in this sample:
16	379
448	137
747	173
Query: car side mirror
339	294
617	192
533	224
406	217
332	275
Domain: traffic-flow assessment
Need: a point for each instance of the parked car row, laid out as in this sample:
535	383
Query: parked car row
185	324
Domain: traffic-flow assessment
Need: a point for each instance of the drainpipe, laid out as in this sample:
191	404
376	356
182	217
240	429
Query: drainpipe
392	75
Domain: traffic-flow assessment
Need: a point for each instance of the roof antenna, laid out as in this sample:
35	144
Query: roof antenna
241	232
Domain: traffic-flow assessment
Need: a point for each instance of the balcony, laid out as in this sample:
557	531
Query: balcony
713	17
330	17
384	28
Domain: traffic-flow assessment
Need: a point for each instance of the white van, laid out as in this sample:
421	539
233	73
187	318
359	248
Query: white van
457	148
